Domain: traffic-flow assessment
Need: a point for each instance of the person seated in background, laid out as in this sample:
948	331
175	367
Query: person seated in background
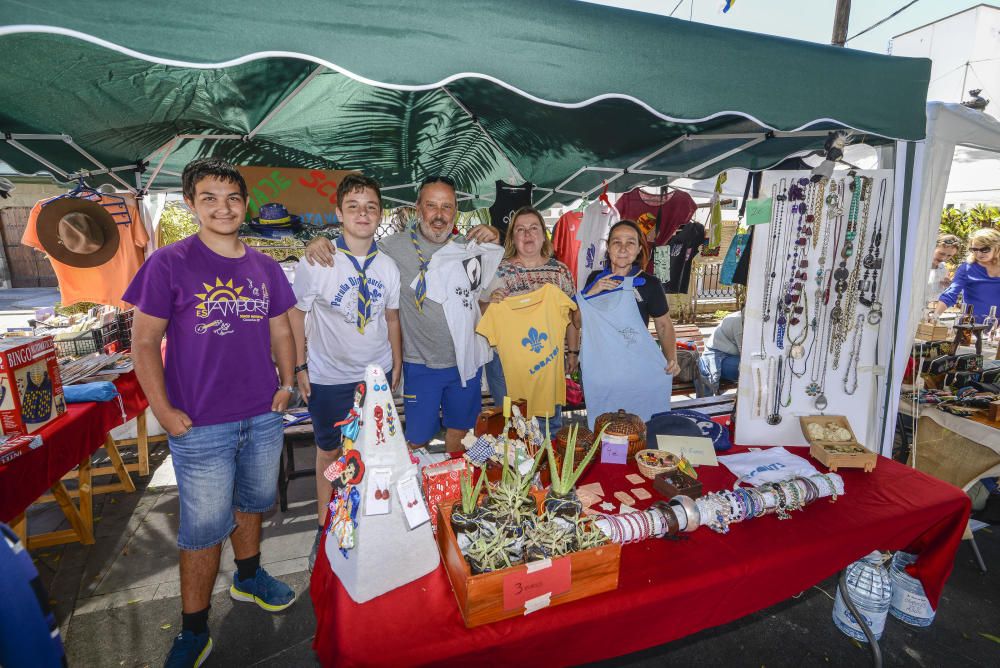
947	247
721	359
978	278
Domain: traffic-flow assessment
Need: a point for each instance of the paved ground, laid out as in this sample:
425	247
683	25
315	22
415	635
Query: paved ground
119	607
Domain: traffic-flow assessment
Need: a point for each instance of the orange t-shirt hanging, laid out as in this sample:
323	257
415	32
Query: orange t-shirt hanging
106	283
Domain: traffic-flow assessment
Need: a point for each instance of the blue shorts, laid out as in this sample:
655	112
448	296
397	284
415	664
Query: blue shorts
221	468
434	397
329	404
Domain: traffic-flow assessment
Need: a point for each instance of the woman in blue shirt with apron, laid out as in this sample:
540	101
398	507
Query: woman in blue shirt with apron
622	365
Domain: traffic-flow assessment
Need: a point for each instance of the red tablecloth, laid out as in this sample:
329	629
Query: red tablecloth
65	442
667	589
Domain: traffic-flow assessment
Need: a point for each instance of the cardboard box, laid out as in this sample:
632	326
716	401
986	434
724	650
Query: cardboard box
31	394
490	597
838	454
930	332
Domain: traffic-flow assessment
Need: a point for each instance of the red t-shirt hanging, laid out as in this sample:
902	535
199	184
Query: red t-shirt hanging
664	213
564	241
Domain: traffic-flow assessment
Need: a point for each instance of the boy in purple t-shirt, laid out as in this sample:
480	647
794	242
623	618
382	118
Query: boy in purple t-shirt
223	307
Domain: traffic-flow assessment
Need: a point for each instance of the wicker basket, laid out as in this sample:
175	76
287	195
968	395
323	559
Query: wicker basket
654	462
584	439
624	424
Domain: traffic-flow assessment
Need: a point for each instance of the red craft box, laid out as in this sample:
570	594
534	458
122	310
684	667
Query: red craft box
31	394
442	482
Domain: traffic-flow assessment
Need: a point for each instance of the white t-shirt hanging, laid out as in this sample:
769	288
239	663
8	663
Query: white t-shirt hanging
592	234
456	276
338	352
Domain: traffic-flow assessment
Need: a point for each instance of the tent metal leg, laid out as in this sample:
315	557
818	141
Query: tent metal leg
977	553
872	641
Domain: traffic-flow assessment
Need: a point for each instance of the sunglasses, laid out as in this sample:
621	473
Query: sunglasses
984	249
951	242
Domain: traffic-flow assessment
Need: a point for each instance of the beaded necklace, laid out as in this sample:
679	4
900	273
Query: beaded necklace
873	264
853	293
786	252
770	266
799	193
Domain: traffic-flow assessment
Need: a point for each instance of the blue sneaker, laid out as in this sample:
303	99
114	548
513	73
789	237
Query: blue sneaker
189	650
270	594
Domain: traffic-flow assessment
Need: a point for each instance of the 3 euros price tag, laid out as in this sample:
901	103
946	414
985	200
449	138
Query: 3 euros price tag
528	582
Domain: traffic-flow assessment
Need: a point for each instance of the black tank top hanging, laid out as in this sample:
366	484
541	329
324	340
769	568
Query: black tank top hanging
508	200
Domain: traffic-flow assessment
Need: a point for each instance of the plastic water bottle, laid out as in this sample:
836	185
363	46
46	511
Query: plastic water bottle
870	589
909	602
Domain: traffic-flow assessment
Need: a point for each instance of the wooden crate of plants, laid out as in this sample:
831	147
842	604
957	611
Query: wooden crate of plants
835	454
481	598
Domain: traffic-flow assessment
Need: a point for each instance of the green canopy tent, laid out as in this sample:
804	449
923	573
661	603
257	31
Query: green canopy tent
564	94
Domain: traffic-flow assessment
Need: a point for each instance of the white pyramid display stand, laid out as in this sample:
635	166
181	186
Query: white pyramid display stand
387	553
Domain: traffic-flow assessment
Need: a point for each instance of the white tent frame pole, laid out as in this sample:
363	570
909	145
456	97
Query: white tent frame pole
510	163
281	105
100	165
723	156
28	152
87	173
403	185
396	199
163	160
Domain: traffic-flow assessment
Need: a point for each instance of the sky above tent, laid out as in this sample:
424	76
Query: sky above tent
788	18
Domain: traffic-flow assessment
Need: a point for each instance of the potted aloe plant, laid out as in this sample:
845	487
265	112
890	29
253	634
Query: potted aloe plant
561	500
467	515
547	538
488	553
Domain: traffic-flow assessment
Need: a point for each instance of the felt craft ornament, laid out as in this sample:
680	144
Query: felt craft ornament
385	553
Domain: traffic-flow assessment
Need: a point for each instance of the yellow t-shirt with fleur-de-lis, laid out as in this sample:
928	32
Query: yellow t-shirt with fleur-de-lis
529	333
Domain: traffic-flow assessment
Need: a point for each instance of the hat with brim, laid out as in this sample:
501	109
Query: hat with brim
77	232
274	215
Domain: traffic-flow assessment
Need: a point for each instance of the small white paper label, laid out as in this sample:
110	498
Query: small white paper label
377	493
412	501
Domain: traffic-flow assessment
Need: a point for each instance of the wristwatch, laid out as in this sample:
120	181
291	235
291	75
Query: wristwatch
302	367
287	388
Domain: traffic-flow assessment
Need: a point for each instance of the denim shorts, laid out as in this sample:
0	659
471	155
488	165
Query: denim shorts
221	468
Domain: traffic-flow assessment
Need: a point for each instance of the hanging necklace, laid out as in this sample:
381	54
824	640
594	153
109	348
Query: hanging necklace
775	416
851	298
817	375
815	217
851	372
833	211
799	193
873	263
770	266
842	312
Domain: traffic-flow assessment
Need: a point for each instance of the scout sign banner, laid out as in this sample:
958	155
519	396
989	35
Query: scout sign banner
308	193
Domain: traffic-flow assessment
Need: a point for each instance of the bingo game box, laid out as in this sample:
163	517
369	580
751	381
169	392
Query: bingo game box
31	393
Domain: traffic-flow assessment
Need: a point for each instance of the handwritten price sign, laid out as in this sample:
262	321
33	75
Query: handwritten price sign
523	585
308	193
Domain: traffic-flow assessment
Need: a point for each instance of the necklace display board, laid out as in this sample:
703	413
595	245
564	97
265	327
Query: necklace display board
816	303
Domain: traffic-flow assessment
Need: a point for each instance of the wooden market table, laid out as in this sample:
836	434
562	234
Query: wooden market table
667	589
68	443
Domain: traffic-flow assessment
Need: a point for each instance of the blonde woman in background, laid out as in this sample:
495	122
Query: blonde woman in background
978	278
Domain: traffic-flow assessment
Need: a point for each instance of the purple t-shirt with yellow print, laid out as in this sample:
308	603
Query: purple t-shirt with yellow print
218	365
